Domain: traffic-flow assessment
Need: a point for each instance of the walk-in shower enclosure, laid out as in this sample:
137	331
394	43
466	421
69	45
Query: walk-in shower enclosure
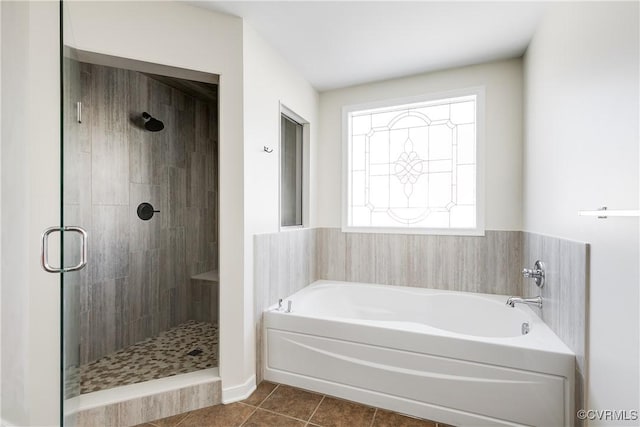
146	305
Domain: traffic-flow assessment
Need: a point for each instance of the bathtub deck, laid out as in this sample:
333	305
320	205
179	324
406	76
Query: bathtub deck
158	357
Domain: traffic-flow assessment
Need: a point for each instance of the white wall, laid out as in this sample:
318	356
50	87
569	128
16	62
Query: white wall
30	297
581	152
503	135
269	81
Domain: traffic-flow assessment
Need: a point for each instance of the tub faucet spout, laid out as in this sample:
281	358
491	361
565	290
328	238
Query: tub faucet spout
537	301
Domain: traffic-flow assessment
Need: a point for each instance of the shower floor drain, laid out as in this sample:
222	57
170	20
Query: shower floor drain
195	352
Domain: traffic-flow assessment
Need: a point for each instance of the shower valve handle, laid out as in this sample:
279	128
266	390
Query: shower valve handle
145	211
536	273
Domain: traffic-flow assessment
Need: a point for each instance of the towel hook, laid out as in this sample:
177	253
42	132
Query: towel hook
267	149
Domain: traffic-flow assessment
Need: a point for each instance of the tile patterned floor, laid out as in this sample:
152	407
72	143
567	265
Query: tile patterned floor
273	405
157	357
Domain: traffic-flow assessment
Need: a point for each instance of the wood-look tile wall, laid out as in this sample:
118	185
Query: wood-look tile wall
565	296
283	264
138	278
152	407
487	264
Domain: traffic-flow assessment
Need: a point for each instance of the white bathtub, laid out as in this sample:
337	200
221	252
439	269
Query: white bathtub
454	357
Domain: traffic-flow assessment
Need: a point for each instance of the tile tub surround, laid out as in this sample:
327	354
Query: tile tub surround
565	296
486	264
273	405
138	280
283	264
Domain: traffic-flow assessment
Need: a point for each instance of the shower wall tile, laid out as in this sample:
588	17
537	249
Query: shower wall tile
77	179
86	90
196	180
202	121
176	148
176	201
149	264
204	300
211	158
141	165
159	93
101	320
110	181
109	243
565	295
109	144
144	235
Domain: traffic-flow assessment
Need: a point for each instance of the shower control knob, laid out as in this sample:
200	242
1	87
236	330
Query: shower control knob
536	273
146	211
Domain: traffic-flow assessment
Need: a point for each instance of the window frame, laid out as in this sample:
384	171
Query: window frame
479	229
293	116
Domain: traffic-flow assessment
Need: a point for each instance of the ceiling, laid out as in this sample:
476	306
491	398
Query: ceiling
339	44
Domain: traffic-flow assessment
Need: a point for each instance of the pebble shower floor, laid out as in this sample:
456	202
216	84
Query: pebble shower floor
162	356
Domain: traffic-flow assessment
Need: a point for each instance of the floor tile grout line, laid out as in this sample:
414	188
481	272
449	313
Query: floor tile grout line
184	418
283	415
268	396
316	410
255	408
373	419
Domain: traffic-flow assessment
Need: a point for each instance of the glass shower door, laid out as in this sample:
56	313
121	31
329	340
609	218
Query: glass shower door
75	216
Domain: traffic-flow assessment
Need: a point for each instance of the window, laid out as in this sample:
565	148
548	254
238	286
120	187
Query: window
413	165
291	171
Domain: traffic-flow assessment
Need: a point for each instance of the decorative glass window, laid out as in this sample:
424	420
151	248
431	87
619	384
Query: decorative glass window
414	165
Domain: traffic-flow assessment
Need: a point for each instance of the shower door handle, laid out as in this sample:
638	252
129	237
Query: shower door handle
44	249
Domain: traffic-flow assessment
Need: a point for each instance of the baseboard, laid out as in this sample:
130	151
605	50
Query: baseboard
239	392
